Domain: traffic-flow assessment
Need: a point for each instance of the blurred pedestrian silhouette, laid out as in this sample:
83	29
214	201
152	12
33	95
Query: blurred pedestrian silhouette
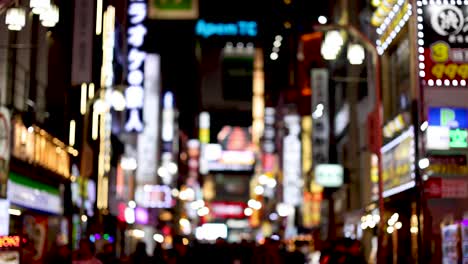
107	256
159	256
140	256
85	253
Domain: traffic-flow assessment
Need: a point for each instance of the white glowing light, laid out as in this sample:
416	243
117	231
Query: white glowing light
137	233
356	54
39	6
15	18
187	194
172	168
322	20
254	204
398	225
376	218
203	211
332	45
263	179
132	204
129	215
128	163
163	173
50	16
424	126
158	238
274	56
271	183
184	222
424	163
390	229
277	43
195	205
259	190
84	218
284	210
118	101
15	212
248	211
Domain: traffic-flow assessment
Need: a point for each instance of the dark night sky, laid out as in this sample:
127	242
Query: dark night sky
176	42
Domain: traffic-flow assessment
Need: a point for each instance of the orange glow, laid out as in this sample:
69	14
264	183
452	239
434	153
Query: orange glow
311	36
306	91
10	241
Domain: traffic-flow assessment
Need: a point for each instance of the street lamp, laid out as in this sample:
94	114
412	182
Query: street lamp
15	18
372	49
356	54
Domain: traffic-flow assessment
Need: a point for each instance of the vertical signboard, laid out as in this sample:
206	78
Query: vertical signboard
148	144
82	54
443	38
5	139
134	95
292	186
319	81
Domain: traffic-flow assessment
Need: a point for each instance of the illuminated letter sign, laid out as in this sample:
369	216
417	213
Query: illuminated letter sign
135	37
448	117
241	28
442	40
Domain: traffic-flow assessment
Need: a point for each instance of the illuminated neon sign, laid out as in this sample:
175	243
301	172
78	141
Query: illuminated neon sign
135	37
10	241
240	28
448	117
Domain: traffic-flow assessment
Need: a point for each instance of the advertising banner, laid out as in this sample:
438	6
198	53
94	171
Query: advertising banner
173	9
82	54
443	38
319	82
397	160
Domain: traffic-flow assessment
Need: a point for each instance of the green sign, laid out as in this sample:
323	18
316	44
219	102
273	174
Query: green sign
447	115
458	138
173	4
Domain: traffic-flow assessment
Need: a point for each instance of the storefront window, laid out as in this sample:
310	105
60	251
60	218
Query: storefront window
34	145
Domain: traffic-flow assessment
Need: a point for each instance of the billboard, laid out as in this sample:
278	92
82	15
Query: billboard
234	152
442	39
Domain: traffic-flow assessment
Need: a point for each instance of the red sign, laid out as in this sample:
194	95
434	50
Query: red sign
446	188
227	209
448	159
10	241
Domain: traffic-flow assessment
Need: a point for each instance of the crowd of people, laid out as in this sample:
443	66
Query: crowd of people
270	252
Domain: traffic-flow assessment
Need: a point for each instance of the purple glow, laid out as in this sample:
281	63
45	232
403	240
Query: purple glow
141	216
465	222
97	236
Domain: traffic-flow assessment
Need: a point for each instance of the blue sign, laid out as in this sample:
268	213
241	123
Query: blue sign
448	117
240	28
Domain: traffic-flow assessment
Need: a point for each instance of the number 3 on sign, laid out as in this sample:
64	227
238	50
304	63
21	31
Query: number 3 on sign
450	70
